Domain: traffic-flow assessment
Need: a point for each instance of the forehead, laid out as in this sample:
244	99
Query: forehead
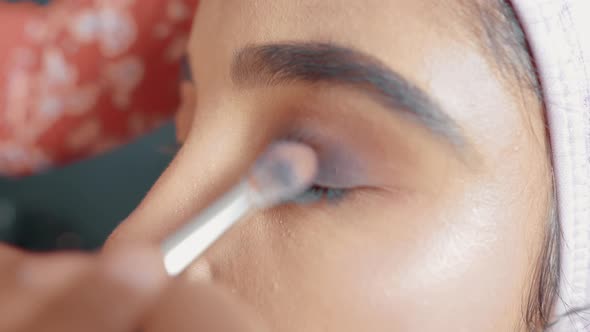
381	28
425	41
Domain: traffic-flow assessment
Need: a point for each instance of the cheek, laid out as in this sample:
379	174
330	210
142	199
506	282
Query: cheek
408	265
472	258
305	270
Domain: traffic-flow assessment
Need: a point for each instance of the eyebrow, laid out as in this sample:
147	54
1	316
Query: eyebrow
284	63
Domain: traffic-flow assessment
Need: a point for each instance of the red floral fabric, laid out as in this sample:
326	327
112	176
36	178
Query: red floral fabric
79	77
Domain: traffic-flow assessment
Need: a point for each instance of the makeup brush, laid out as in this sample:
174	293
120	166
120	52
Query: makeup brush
284	171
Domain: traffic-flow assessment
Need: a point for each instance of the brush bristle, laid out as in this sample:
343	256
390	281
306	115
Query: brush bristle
285	171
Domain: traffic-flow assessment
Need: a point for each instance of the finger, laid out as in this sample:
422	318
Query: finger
9	262
29	282
189	306
9	259
110	296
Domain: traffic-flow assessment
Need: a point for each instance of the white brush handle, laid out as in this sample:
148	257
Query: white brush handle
283	172
188	243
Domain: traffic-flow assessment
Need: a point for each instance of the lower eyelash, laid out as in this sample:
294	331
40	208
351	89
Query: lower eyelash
317	193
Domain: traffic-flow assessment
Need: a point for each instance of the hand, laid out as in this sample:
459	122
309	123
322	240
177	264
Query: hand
121	291
78	292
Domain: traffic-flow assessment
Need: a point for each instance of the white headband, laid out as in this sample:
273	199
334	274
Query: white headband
558	32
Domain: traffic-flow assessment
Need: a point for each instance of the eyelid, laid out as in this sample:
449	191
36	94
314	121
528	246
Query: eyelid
338	167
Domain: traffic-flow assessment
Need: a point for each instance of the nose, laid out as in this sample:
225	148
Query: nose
223	143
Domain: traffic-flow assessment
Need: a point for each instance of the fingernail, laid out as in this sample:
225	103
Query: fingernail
139	268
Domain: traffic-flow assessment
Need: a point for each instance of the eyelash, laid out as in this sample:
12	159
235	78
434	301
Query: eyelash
317	193
314	194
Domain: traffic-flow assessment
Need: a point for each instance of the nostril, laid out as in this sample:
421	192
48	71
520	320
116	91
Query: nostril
185	70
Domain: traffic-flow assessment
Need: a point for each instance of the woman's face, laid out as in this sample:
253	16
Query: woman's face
445	170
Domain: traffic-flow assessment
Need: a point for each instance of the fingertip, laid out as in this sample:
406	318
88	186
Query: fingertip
140	269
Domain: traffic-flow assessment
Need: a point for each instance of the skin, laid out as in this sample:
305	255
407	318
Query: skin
118	291
428	238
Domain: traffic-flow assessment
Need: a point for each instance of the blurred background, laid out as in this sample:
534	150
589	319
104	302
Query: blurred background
76	207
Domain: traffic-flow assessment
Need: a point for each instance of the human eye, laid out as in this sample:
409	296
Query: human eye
338	173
